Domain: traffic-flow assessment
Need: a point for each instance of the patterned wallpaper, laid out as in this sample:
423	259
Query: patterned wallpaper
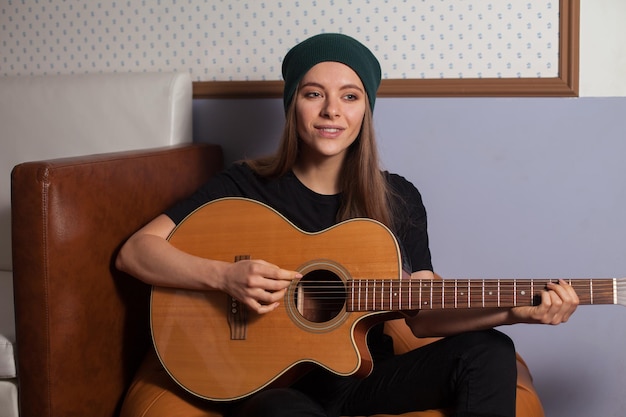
247	39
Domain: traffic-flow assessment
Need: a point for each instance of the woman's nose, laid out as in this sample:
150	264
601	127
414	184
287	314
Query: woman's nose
331	108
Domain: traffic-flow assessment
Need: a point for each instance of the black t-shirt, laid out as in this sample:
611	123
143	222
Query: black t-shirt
313	212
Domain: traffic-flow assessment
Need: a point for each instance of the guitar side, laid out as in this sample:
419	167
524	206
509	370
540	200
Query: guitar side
216	349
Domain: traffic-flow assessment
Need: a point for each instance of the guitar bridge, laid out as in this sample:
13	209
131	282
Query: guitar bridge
237	319
237	313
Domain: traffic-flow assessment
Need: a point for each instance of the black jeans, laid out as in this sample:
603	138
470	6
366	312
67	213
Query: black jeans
473	373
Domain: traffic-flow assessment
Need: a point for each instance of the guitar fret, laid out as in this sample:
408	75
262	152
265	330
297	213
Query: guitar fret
397	295
431	293
498	292
420	296
483	293
374	296
443	299
382	295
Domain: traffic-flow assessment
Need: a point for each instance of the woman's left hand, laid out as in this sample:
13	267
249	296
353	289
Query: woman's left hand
558	302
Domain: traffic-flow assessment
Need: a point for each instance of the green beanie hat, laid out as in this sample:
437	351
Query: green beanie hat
333	47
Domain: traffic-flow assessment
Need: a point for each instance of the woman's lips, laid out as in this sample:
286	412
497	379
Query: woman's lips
329	131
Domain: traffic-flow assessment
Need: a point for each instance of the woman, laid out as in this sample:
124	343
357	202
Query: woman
325	171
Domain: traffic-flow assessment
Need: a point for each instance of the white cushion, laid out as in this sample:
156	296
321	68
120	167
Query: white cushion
8	385
7	313
8	398
7	360
55	116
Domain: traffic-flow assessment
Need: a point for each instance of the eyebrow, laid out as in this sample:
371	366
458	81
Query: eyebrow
343	87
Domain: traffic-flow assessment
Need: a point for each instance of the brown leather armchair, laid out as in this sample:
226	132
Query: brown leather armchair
82	326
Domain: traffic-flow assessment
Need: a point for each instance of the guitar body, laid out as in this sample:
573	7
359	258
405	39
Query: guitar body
216	349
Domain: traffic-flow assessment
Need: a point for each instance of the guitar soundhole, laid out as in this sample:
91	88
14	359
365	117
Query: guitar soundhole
320	296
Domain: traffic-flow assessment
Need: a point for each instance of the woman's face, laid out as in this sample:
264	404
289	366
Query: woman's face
330	106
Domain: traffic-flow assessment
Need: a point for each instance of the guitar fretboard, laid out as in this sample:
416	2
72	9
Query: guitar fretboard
389	295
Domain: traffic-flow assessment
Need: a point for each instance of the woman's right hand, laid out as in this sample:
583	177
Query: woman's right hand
148	256
258	284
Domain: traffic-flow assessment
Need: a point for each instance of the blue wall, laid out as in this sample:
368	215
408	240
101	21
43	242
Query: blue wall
515	188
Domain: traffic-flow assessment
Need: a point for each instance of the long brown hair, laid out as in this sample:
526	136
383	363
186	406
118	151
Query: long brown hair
365	190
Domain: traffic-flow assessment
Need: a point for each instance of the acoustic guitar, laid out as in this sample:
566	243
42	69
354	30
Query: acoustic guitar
215	348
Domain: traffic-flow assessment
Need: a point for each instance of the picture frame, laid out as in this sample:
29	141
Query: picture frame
563	85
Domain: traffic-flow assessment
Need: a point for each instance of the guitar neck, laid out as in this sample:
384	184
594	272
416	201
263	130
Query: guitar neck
393	295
